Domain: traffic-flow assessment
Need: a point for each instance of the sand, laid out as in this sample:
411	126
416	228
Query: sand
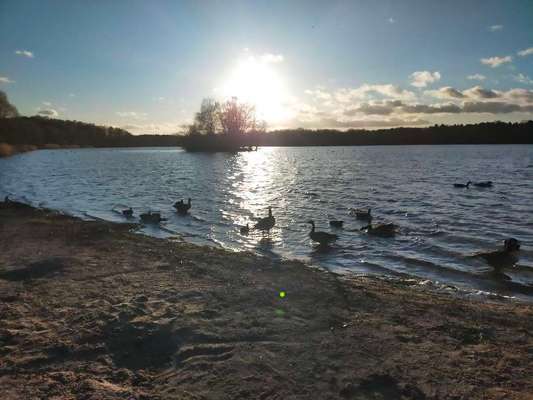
91	310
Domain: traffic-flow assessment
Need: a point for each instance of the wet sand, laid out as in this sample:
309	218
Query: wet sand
90	310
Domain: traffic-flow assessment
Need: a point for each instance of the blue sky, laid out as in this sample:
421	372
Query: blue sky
146	65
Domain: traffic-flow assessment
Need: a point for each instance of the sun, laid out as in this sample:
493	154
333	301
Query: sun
257	82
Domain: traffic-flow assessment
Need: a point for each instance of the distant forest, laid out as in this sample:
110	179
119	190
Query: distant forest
40	131
482	133
47	132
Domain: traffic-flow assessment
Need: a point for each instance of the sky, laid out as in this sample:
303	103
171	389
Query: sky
145	66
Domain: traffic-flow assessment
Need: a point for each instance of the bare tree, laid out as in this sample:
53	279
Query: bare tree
237	118
206	121
7	110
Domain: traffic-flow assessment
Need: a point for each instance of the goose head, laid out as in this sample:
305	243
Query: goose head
510	245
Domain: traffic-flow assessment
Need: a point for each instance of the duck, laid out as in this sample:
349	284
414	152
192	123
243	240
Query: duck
484	184
362	213
151	217
336	224
323	238
245	230
385	230
181	207
462	185
267	223
128	212
499	259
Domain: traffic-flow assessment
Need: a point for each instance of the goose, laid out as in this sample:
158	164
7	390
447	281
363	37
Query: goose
500	259
181	207
462	185
324	238
380	229
336	224
245	229
361	213
128	212
483	184
151	217
266	223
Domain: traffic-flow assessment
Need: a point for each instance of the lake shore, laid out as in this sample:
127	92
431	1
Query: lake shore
92	310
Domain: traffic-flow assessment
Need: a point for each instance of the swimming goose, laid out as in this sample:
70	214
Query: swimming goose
151	217
336	224
483	184
362	213
385	230
266	223
245	230
181	207
462	185
324	238
128	212
502	258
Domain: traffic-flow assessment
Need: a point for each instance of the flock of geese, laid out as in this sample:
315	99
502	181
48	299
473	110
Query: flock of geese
265	224
498	259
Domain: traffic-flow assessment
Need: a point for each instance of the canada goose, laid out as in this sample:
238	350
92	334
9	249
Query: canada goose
266	223
362	213
151	217
181	207
502	258
128	212
462	185
485	184
245	229
385	230
336	224
324	238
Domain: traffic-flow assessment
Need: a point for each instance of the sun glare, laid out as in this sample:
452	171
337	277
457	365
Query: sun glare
256	82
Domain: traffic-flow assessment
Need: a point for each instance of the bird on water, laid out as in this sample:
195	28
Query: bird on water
324	238
267	223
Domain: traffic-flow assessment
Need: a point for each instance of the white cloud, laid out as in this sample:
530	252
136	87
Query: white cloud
523	79
476	77
271	58
344	96
47	104
155	128
525	52
520	95
391	20
319	94
47	112
132	114
477	92
446	92
423	78
24	53
5	79
495	28
496	61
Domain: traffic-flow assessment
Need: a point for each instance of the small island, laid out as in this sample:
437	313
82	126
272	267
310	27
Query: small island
223	127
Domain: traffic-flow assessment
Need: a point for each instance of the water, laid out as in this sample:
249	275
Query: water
408	185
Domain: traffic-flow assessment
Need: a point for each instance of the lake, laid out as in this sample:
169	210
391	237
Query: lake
411	186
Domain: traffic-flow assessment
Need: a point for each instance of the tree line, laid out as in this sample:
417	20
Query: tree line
237	121
481	133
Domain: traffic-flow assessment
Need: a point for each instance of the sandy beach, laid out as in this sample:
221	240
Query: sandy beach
91	310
